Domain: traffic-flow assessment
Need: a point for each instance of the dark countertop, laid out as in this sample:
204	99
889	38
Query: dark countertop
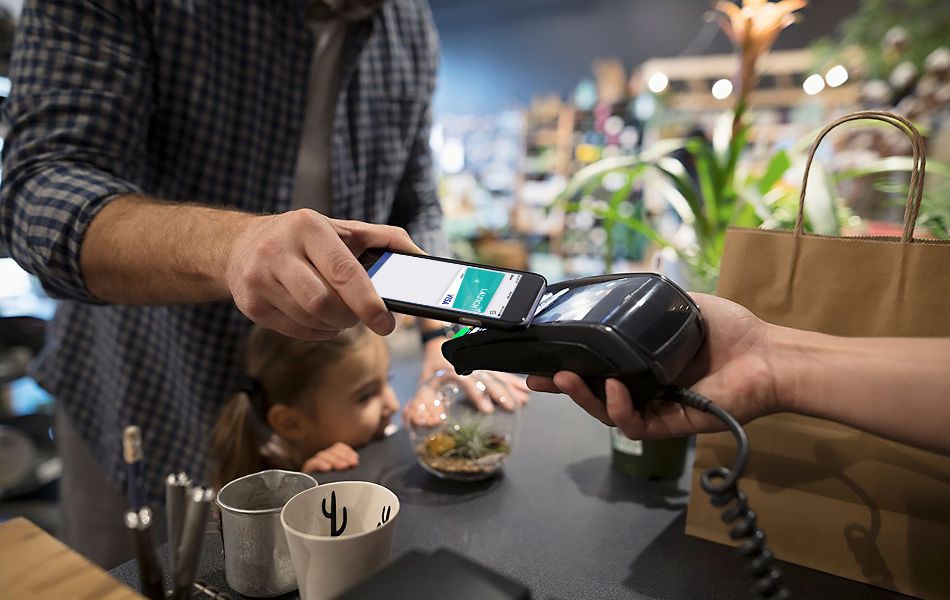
560	521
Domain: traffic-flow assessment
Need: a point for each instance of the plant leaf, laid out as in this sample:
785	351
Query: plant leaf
595	171
778	165
676	173
736	146
645	229
744	215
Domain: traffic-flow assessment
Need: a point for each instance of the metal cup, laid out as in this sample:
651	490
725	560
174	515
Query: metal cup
256	559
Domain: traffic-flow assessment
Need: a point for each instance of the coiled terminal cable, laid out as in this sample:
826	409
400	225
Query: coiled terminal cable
722	485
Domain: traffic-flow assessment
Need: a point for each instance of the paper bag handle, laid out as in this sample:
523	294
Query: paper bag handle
914	194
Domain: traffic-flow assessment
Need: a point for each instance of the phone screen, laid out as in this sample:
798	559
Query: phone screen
445	285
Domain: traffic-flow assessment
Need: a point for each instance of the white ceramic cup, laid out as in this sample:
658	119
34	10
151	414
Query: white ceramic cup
338	534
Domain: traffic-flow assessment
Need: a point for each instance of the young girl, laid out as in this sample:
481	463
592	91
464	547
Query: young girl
306	406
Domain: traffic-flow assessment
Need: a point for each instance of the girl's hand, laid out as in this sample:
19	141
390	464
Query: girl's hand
485	388
338	457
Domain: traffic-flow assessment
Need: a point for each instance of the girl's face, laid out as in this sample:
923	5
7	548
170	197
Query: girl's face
353	402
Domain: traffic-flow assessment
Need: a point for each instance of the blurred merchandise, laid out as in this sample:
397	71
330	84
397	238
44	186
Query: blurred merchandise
902	51
605	176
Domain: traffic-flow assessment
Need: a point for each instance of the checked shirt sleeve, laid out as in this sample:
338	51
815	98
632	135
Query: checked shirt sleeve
417	207
78	116
418	199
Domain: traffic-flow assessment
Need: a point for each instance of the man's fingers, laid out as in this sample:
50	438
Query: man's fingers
281	298
344	274
359	236
572	385
313	297
271	317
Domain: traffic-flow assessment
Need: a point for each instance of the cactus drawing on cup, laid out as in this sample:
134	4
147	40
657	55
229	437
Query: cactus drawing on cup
332	514
387	510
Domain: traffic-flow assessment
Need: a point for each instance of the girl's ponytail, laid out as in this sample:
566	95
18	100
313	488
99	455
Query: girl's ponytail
235	441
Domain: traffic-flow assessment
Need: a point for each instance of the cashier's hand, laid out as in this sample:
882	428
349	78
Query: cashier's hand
484	388
732	370
297	273
338	457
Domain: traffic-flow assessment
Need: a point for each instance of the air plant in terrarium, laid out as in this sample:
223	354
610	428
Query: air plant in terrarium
450	437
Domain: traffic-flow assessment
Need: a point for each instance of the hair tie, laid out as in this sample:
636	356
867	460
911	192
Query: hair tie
257	415
250	386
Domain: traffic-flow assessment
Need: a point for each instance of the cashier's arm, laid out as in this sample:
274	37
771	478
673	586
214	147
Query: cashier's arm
295	272
898	388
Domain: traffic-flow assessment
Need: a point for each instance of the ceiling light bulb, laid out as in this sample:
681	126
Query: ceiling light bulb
836	75
721	89
813	84
658	82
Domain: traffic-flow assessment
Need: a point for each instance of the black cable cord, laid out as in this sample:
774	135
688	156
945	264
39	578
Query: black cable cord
722	485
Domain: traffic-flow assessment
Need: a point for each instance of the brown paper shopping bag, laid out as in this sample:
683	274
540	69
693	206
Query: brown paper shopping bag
830	497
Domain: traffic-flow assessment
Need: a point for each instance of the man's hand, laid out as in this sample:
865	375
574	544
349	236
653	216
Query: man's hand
733	370
297	273
338	457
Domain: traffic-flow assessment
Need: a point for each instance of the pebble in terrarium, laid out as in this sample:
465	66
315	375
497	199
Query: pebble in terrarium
451	438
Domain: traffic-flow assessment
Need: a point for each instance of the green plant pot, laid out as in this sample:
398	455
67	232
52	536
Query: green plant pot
648	459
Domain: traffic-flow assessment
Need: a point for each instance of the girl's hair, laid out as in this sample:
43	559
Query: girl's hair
280	370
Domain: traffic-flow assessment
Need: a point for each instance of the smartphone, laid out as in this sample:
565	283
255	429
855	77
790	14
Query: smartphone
452	290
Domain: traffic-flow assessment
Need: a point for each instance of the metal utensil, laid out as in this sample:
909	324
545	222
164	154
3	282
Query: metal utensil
139	524
176	488
198	503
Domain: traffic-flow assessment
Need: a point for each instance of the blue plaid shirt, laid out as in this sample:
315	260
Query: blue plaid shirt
191	100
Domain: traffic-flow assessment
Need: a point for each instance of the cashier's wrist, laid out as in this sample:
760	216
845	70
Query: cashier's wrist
797	365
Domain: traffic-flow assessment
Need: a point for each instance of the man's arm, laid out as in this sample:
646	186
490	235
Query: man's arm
296	272
142	251
78	114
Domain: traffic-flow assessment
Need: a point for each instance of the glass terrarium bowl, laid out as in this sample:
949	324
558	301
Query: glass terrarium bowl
451	438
